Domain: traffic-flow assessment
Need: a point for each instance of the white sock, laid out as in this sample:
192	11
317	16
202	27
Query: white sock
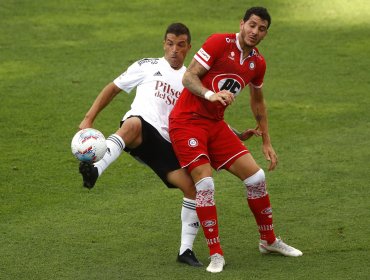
190	224
115	146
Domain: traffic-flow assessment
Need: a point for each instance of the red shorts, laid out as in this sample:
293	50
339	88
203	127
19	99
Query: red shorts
198	141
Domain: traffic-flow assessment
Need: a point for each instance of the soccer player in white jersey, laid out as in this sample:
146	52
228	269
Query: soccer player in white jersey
144	128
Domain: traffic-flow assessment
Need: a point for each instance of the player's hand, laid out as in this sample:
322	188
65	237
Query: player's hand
225	97
86	123
271	156
246	134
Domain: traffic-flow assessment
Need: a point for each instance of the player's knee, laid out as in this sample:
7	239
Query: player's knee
130	131
256	178
256	185
205	184
132	125
205	192
200	169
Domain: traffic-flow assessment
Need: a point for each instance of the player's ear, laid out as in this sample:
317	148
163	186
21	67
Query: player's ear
241	24
265	35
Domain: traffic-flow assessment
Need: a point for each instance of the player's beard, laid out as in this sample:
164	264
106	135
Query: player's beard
250	42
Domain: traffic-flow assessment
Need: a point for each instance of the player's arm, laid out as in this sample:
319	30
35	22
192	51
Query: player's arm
191	80
246	134
101	101
259	110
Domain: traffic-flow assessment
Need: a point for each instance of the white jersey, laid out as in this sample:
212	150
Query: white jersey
158	86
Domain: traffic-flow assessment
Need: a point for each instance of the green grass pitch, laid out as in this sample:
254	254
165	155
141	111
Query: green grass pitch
55	57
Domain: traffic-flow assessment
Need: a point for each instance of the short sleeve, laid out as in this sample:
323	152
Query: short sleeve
211	49
131	78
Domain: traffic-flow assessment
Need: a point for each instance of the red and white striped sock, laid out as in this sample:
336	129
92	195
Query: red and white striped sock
259	203
207	214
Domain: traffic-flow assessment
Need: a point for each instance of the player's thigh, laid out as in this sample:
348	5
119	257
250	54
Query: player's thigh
189	141
131	132
244	167
225	147
183	181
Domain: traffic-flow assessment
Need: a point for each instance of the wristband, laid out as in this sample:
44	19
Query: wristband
208	94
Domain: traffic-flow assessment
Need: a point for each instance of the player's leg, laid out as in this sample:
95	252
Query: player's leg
189	219
162	160
189	140
207	212
258	199
253	177
129	134
228	152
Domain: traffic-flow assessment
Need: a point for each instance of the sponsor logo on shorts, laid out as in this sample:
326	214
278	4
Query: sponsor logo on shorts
209	223
192	142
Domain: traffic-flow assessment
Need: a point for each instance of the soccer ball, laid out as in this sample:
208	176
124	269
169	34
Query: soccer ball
89	145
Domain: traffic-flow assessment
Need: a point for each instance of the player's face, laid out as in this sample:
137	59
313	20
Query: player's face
175	49
252	31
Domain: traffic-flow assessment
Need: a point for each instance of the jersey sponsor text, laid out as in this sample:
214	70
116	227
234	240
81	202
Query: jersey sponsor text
169	95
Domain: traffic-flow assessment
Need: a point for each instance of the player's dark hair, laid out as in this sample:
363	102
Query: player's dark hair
178	29
260	12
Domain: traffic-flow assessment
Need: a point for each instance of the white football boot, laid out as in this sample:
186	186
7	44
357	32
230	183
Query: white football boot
217	263
279	247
